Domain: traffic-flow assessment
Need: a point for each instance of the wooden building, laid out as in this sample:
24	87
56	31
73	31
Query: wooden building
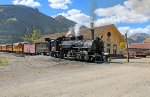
147	40
113	40
140	47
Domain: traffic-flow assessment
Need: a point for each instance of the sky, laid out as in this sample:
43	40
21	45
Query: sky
132	16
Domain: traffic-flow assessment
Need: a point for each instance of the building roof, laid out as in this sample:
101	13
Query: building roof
86	32
140	46
147	40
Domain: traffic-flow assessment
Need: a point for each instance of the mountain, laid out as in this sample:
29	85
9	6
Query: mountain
65	23
131	41
16	21
139	37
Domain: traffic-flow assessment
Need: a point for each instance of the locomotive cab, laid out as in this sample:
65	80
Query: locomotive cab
54	46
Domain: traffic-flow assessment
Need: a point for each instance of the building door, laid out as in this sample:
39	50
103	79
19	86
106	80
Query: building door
108	48
114	49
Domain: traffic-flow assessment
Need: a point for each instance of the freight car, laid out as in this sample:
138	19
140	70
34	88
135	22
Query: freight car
29	48
18	47
26	48
36	48
3	47
9	47
42	48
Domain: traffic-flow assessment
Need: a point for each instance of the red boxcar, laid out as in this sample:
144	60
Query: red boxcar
29	48
26	48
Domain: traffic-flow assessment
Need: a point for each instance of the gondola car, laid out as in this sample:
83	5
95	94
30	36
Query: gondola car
18	47
9	47
3	47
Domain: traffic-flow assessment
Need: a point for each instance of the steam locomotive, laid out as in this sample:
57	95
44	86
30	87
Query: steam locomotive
78	48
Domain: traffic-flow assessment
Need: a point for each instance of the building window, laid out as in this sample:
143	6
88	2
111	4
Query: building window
115	49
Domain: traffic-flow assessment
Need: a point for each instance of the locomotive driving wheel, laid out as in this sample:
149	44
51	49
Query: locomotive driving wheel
68	54
86	57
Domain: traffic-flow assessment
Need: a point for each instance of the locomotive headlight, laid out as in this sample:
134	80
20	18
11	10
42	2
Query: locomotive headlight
47	54
85	52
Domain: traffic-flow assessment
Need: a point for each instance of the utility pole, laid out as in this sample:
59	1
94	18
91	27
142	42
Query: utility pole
127	46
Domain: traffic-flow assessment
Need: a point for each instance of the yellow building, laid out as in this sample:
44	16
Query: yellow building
147	40
113	40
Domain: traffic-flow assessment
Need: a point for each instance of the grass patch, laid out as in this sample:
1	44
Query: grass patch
3	61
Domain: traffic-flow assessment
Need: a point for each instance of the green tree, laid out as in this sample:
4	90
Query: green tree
35	34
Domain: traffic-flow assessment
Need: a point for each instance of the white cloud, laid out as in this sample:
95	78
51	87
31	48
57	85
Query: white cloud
133	11
123	30
139	6
59	4
30	3
132	31
76	16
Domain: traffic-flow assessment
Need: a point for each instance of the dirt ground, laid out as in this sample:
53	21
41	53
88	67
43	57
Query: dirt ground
43	76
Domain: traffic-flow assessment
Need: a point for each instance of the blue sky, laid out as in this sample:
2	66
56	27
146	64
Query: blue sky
131	15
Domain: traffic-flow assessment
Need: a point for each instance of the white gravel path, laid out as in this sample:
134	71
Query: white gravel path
43	76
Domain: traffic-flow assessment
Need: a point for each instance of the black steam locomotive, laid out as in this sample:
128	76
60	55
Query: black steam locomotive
78	48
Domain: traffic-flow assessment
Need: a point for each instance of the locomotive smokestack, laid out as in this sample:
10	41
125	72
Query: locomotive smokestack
93	6
92	30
